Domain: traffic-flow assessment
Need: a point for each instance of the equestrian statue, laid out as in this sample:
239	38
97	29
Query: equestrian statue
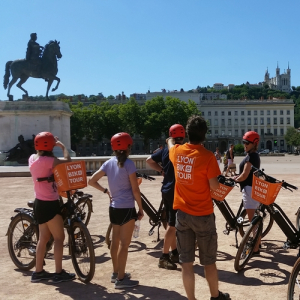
40	62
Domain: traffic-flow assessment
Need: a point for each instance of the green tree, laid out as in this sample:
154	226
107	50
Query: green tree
239	148
292	137
131	116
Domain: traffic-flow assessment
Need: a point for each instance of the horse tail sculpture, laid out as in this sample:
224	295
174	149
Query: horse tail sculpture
7	74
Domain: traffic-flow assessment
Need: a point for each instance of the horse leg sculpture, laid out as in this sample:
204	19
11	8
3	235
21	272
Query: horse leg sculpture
11	83
50	80
23	79
57	84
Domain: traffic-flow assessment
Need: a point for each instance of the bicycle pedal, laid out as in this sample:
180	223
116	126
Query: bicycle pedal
151	232
226	232
286	246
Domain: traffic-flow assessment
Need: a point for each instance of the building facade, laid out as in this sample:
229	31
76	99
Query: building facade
229	120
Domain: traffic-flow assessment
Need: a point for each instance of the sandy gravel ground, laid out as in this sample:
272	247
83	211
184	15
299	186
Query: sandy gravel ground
265	277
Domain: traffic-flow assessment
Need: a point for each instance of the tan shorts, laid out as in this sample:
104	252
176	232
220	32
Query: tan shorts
201	228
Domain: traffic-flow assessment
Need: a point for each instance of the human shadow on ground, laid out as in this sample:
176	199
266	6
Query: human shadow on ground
78	291
252	275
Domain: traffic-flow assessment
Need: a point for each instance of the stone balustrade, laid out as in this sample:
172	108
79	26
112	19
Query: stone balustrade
93	163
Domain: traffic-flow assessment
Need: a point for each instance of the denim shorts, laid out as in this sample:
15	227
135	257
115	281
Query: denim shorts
120	216
248	202
168	199
201	228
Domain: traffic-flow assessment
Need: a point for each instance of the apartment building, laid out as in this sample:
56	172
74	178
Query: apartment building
229	120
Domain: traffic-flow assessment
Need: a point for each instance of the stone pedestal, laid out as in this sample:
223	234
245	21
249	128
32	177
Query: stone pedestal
31	117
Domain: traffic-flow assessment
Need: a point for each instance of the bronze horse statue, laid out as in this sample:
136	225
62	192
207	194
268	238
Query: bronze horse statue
23	69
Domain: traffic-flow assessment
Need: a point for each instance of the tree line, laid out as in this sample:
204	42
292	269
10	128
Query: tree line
151	120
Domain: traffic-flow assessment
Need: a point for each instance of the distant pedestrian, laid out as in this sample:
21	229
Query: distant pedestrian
218	156
230	157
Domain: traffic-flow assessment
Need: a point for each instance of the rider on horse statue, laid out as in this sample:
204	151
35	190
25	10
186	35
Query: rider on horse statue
34	51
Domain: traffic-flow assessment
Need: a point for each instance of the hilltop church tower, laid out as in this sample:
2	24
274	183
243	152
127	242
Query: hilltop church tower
281	82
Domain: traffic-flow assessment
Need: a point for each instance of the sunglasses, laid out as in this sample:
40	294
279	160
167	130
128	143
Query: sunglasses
246	143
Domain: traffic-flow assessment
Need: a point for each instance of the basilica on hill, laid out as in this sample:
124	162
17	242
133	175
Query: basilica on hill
281	82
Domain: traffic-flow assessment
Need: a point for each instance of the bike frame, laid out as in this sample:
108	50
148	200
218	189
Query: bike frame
234	221
153	214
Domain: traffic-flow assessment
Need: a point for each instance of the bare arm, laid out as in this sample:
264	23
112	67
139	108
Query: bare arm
246	171
154	165
93	181
66	154
214	183
170	142
137	194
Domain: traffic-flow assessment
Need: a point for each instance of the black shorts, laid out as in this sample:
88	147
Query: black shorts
120	216
168	199
45	211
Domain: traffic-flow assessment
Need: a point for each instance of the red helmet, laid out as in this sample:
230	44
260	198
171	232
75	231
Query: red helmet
176	131
44	141
121	141
252	137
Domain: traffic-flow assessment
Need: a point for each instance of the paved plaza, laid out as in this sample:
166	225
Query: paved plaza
265	277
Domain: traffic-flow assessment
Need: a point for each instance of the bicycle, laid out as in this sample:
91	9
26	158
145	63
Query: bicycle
251	237
293	291
83	202
156	217
23	234
238	222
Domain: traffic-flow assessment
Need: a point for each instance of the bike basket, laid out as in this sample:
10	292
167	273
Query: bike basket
220	193
70	176
263	191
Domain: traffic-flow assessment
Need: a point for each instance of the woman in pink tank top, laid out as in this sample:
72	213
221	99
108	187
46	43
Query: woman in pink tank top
46	206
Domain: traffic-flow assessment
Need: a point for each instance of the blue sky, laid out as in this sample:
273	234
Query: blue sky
111	46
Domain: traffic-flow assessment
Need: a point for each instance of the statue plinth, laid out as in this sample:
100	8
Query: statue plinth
28	118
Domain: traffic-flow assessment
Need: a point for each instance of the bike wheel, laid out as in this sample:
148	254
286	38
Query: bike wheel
22	238
298	219
108	235
293	291
82	252
267	223
85	208
247	245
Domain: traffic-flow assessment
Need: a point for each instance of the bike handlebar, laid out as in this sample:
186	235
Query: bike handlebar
145	176
271	179
226	181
